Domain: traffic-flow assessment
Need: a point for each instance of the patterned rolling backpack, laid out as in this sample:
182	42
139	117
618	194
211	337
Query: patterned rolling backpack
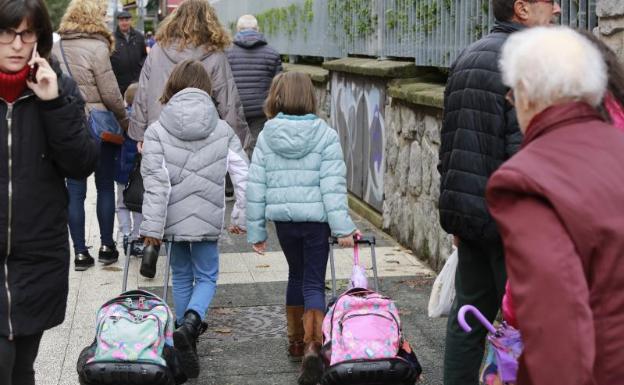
133	342
363	342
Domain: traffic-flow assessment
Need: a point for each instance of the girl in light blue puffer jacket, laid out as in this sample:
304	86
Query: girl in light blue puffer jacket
297	179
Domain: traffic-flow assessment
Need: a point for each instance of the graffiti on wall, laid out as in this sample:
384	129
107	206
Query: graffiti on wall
357	112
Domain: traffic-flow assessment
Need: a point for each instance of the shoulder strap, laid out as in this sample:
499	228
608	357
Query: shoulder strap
65	58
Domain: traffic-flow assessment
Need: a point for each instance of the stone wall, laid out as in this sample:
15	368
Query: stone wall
412	182
611	24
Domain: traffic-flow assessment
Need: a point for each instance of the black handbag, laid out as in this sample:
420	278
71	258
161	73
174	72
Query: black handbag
133	193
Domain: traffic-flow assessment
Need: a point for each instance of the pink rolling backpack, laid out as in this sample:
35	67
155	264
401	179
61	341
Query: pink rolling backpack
362	324
362	332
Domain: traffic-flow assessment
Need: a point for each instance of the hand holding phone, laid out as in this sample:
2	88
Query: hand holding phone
41	77
32	74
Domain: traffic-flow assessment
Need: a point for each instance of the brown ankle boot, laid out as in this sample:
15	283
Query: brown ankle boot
294	327
312	365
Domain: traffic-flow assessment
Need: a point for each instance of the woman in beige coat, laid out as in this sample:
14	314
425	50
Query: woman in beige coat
84	52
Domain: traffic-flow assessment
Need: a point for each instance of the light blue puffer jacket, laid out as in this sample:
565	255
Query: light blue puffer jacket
297	174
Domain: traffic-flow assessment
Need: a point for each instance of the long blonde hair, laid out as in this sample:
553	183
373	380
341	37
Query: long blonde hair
194	23
86	16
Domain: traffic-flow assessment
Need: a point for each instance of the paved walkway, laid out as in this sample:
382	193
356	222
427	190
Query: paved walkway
245	343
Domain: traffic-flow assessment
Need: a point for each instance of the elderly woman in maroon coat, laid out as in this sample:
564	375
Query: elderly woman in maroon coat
559	204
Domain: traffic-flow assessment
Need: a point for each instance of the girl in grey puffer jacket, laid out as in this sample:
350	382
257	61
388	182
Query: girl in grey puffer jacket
186	154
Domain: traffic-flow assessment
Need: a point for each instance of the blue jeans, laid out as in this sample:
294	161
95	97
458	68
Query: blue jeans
105	209
306	246
195	269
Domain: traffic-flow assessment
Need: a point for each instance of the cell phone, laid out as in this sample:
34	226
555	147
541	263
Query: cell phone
32	74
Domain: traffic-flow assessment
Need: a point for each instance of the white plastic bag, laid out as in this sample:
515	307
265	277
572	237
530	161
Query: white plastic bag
443	291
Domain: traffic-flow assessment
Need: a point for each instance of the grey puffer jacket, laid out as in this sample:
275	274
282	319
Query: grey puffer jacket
155	73
186	154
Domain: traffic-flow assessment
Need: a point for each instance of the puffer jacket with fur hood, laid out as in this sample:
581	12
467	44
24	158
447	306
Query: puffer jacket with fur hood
88	57
186	154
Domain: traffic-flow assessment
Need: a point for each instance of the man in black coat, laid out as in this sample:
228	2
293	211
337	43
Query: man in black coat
479	133
130	52
254	64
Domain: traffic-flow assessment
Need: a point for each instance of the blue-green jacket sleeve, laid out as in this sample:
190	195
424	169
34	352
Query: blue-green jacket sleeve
256	195
334	187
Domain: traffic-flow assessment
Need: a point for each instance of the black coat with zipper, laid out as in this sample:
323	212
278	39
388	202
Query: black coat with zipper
479	133
41	144
128	58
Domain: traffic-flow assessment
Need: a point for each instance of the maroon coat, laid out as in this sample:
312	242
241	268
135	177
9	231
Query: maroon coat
559	205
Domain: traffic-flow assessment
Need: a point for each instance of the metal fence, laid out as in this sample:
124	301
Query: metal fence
432	32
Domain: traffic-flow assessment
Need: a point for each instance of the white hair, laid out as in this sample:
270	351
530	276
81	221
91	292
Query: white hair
247	22
554	63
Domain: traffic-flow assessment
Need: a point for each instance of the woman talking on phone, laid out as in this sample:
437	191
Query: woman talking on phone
43	140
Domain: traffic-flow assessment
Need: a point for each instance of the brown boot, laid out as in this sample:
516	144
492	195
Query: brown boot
294	327
312	365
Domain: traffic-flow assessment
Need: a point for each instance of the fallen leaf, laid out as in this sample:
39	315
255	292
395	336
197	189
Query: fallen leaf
223	311
393	261
262	266
112	268
222	330
405	312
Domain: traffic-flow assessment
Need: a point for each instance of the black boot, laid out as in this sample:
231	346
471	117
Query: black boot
185	342
83	261
108	254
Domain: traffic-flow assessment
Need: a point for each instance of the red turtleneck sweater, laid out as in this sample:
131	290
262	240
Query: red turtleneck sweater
12	85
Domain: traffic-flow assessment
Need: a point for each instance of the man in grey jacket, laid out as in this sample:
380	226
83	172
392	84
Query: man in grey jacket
254	64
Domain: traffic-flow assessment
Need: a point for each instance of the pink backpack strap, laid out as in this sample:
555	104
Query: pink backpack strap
615	110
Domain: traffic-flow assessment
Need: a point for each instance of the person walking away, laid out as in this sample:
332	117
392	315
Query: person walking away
192	31
306	197
254	64
44	141
129	222
186	154
559	206
479	132
85	55
130	52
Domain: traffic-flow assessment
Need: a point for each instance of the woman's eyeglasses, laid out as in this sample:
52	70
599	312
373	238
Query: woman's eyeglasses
7	36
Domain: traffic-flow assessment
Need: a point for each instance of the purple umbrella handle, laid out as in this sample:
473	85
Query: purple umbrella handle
461	318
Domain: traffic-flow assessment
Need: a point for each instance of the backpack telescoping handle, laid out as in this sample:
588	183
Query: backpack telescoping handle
362	240
168	245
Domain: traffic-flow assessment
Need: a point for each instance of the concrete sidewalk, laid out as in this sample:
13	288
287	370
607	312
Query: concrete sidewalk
245	342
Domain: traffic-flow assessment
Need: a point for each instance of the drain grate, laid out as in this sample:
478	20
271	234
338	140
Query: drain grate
246	323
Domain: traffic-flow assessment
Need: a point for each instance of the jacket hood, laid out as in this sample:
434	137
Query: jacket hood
190	115
108	39
177	56
292	136
248	38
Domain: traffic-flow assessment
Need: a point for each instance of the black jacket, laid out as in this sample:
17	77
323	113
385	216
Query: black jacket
479	133
128	58
254	64
45	142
